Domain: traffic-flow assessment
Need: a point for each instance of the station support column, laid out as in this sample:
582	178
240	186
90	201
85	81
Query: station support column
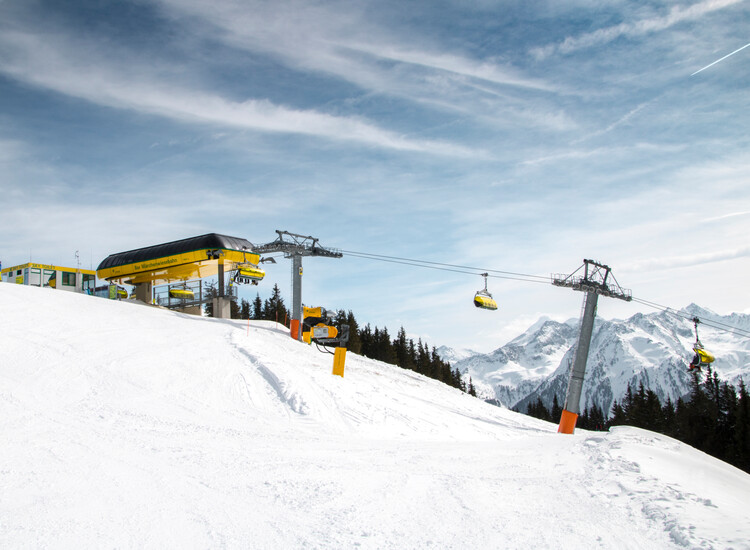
222	305
144	292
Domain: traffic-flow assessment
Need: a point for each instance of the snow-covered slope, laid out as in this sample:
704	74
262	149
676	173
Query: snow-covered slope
129	426
653	349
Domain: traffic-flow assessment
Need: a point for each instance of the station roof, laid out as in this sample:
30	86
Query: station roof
48	267
191	258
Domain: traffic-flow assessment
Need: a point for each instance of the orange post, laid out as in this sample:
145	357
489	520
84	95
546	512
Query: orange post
294	331
567	422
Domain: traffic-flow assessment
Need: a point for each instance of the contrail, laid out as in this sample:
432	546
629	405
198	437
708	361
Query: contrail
722	59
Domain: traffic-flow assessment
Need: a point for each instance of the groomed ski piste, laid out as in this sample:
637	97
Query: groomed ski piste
128	426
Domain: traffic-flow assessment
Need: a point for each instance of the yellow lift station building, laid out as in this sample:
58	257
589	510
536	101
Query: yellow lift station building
180	261
52	276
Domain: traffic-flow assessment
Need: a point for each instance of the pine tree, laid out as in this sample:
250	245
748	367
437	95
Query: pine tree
741	439
423	359
556	409
234	308
244	309
595	418
618	415
257	308
354	344
436	366
412	364
386	351
274	309
401	349
668	418
365	337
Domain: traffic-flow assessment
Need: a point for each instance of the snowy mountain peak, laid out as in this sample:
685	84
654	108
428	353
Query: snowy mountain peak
453	355
650	348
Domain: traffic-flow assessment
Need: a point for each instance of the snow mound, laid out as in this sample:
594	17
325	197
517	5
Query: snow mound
130	426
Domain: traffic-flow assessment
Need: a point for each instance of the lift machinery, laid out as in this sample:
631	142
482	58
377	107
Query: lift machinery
317	328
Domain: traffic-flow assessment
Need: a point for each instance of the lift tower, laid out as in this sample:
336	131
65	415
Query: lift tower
295	246
594	283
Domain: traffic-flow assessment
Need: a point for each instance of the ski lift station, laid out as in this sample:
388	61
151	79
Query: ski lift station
171	274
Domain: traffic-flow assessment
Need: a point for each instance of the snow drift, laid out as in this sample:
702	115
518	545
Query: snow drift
129	426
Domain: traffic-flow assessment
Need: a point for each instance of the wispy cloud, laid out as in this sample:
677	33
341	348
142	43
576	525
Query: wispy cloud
74	71
726	216
346	44
451	63
677	14
689	260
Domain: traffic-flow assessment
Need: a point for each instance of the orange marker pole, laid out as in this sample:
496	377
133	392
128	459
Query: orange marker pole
294	332
567	422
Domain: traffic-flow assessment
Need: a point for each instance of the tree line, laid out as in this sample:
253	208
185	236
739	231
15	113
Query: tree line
375	343
714	417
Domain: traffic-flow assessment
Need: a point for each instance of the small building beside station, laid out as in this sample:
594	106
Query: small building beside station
52	276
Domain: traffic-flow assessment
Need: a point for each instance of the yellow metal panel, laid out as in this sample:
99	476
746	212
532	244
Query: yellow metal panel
339	359
311	312
178	267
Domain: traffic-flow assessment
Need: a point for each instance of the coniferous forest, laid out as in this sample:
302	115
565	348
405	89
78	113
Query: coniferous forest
714	417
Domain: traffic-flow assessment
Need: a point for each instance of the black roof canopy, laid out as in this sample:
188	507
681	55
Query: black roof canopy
207	241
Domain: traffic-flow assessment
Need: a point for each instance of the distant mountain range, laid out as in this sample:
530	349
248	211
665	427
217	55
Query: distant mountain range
651	348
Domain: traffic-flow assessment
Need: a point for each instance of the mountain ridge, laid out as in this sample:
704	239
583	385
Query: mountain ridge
653	348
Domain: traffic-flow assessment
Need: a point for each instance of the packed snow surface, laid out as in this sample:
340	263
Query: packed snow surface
127	426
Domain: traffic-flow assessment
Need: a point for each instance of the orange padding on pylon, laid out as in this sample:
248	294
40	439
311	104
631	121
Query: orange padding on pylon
567	422
294	329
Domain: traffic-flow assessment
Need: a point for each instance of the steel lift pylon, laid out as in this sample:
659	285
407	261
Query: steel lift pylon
294	247
594	283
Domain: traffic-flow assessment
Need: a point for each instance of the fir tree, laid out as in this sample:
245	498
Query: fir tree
556	409
741	439
401	349
354	343
257	308
234	308
244	309
274	309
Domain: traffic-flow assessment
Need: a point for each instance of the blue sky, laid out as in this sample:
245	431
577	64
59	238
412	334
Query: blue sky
516	136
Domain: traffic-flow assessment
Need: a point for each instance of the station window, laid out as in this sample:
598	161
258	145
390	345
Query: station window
36	277
88	283
48	274
68	279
